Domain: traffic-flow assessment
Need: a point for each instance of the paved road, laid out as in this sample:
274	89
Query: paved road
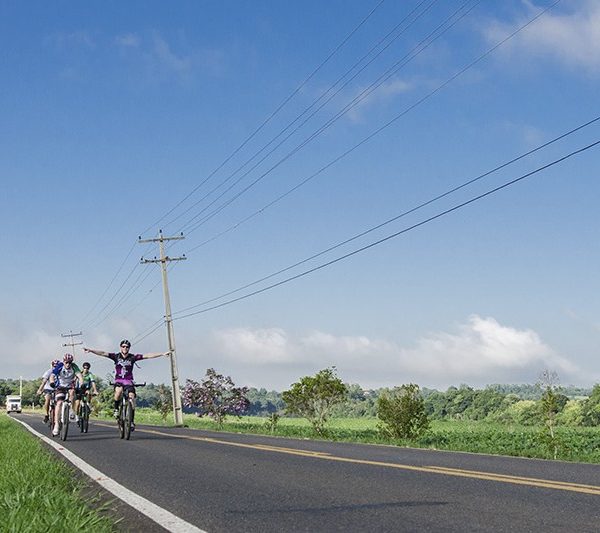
229	482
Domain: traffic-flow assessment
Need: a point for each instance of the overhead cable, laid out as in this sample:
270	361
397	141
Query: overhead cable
399	216
322	96
394	235
370	136
418	49
268	119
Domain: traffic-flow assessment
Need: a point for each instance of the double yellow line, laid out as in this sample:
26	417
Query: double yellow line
473	474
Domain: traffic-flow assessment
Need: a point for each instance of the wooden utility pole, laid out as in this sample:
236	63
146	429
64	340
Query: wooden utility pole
163	260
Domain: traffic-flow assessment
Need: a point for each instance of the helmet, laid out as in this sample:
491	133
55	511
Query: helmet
86	365
125	342
54	362
68	358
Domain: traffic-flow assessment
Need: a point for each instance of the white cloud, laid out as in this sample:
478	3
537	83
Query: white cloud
76	39
483	350
162	60
258	346
480	352
129	40
169	59
571	38
384	93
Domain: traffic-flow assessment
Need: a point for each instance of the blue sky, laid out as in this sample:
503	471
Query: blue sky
120	119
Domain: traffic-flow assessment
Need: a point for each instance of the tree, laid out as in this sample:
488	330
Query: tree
164	402
403	412
591	408
313	397
217	396
551	403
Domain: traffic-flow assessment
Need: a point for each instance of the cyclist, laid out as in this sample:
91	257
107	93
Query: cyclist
46	388
87	386
63	379
124	361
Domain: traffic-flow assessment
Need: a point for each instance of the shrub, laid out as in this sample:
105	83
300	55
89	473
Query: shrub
403	412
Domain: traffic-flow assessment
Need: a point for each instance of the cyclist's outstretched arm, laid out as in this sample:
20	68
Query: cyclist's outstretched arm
41	387
101	353
157	354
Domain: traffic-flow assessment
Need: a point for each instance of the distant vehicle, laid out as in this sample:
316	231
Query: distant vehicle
13	404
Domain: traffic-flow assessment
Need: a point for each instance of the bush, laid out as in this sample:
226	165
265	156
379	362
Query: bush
403	412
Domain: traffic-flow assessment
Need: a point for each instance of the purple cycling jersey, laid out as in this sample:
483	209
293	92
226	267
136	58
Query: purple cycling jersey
124	367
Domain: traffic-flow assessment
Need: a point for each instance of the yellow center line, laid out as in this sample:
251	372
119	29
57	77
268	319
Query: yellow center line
456	472
473	474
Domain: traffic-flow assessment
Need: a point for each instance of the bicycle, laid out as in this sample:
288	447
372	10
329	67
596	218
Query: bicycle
63	422
83	413
126	411
51	410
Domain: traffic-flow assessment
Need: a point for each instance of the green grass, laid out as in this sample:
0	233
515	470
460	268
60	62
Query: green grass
572	443
37	492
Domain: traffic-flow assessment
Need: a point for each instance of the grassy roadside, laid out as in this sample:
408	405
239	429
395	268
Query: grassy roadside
37	492
573	443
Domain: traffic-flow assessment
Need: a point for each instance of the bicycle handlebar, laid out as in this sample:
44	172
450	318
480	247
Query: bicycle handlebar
123	385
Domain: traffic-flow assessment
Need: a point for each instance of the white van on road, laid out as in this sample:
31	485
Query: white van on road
13	404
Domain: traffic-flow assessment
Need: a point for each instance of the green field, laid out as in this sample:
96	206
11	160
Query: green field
571	443
39	493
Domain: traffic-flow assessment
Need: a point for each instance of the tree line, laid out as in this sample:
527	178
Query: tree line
510	404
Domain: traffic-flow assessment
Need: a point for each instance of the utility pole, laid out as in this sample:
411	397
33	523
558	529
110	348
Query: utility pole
71	344
177	411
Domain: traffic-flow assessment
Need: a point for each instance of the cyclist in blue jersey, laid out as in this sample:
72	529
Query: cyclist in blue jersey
63	380
124	361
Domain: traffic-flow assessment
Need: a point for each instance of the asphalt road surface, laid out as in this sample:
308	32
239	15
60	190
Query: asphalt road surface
230	482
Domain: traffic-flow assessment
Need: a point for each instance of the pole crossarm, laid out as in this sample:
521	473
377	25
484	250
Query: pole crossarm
167	258
71	335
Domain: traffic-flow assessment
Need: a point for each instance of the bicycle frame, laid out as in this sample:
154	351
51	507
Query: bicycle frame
84	412
63	422
126	411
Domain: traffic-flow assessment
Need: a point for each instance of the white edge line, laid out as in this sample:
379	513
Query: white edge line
159	515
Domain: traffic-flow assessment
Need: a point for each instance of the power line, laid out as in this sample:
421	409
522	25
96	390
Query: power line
418	49
396	234
109	285
308	108
268	119
401	215
149	331
365	139
134	287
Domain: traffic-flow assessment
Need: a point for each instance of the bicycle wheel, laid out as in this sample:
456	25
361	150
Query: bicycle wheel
85	420
128	419
64	428
51	418
121	420
80	416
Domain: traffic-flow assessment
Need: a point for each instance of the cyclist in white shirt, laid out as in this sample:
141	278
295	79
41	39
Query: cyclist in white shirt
47	389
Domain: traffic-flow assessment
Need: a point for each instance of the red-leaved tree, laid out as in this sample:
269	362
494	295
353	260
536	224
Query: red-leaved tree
216	396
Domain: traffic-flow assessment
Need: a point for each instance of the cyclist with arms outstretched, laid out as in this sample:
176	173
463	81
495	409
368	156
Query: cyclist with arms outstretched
124	361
